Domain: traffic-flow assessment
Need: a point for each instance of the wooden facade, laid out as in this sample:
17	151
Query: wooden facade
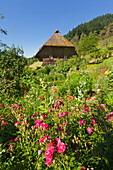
57	47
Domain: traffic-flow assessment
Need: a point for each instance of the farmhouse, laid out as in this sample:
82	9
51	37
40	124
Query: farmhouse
57	47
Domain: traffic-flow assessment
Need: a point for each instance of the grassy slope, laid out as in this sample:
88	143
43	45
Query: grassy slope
35	65
102	43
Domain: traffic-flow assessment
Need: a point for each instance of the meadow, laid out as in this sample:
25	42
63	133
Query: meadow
57	118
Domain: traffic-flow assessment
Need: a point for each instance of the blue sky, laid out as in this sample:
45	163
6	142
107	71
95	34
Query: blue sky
30	23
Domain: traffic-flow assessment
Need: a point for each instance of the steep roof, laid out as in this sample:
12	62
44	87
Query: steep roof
55	41
58	40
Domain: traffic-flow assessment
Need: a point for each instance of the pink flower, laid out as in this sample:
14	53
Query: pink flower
16	139
61	147
92	119
44	126
48	138
49	152
37	125
32	115
17	123
54	90
111	113
50	110
57	107
95	99
39	152
10	148
52	143
43	139
102	105
38	121
99	86
2	104
24	109
19	106
73	140
60	114
4	123
94	123
49	161
89	130
72	107
66	113
82	168
81	121
42	116
58	139
110	118
49	155
70	97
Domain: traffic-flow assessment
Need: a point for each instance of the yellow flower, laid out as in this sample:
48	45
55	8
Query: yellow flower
107	72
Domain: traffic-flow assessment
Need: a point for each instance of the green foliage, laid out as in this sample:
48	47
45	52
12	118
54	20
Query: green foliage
88	44
97	24
62	68
12	63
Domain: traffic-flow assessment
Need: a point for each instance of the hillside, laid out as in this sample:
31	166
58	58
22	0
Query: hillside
95	25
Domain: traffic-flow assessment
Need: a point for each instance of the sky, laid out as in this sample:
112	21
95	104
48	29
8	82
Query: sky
30	23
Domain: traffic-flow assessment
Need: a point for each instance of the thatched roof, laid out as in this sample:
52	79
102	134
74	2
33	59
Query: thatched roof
56	40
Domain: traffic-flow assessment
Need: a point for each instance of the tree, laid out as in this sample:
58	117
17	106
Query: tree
12	63
88	44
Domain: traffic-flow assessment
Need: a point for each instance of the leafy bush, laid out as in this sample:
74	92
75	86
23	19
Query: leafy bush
12	63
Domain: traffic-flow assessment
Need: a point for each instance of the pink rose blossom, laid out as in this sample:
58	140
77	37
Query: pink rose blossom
99	86
72	107
111	113
38	121
61	147
43	139
19	106
89	130
49	161
57	107
37	125
95	99
58	139
17	123
110	118
10	148
50	110
39	152
49	152
4	123
102	105
81	121
24	109
16	139
49	155
82	168
73	140
44	126
60	114
42	116
52	143
32	115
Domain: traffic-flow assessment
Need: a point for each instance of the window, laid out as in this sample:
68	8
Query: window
65	57
51	57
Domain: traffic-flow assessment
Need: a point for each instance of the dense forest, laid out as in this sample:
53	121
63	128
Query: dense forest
95	25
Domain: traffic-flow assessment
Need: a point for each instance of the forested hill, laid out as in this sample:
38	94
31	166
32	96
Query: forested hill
95	25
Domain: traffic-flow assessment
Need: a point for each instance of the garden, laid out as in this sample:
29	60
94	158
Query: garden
55	118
